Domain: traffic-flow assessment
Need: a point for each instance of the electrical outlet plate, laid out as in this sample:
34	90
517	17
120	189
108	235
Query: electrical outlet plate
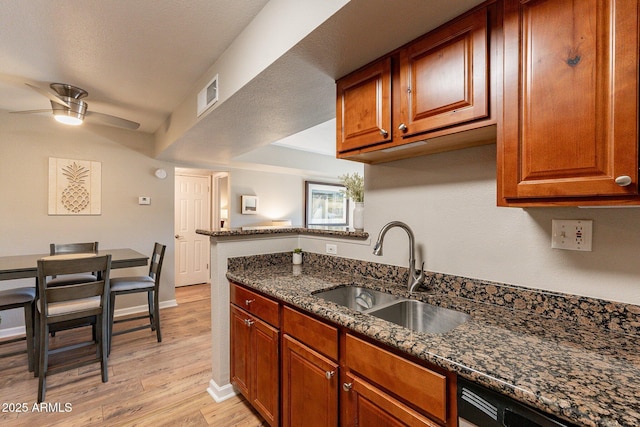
144	200
331	249
573	235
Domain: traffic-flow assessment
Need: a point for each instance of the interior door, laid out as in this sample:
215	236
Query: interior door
192	211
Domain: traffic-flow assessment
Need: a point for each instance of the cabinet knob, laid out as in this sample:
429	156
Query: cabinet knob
249	322
623	180
329	374
384	133
347	386
248	301
402	127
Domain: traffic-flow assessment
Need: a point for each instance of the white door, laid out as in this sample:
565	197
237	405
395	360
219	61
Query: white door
192	211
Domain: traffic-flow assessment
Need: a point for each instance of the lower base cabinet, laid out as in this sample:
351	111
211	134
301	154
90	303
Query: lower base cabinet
363	404
309	386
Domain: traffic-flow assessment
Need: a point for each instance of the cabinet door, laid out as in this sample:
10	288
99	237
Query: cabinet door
266	373
240	351
444	77
365	405
570	100
363	107
309	387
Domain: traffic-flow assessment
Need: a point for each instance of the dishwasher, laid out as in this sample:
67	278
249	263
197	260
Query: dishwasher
480	407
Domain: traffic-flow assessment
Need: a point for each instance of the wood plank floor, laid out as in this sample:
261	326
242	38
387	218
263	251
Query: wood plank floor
150	383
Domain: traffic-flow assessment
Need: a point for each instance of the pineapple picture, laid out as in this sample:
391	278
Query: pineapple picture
74	187
75	197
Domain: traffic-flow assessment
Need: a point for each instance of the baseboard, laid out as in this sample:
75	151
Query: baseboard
143	308
20	330
220	394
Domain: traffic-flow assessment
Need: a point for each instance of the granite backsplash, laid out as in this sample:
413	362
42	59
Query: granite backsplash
607	315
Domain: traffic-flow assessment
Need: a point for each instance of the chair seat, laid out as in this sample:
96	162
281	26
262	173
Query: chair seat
119	284
72	279
17	296
66	307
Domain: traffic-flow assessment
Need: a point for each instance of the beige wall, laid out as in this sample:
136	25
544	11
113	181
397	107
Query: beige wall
26	143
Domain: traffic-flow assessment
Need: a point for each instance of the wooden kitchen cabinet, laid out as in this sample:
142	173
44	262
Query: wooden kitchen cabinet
444	77
385	385
255	355
363	107
310	371
366	405
570	129
439	88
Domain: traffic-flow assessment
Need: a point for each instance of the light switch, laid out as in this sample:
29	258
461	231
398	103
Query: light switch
144	200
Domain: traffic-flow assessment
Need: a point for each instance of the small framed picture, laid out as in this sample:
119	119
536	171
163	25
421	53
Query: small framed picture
249	205
326	204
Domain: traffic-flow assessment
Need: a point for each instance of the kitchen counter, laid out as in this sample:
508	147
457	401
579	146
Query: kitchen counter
576	370
320	231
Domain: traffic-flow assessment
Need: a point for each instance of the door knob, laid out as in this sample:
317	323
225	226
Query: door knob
623	180
178	236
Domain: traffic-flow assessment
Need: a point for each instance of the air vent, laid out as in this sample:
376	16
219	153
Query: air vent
208	96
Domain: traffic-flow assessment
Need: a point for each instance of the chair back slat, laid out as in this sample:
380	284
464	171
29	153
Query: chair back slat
51	267
155	264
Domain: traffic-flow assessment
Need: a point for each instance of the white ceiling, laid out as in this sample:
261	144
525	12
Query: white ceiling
139	60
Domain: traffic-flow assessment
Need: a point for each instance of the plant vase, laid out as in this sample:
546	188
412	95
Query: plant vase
297	258
358	216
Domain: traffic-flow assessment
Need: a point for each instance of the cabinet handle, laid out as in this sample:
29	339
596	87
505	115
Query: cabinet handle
249	322
623	180
329	374
402	127
248	301
347	386
384	133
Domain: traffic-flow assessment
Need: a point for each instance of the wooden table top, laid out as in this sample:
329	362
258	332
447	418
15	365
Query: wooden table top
26	266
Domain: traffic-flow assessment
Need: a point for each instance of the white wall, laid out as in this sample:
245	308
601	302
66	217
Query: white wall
27	142
449	200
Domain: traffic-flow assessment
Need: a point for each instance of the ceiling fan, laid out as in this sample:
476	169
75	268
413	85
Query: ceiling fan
68	107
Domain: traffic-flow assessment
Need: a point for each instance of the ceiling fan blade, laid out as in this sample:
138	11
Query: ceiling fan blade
53	97
31	111
112	120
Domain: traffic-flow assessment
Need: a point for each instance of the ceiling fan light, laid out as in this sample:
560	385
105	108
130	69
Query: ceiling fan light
69	116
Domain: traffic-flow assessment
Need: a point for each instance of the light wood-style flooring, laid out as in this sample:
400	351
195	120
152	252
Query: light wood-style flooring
150	383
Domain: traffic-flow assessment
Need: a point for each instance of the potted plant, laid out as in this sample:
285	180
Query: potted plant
297	256
354	185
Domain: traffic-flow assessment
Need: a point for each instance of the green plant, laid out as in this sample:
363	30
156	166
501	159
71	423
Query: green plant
354	185
297	251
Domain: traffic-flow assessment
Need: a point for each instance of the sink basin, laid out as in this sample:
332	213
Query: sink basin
358	298
421	317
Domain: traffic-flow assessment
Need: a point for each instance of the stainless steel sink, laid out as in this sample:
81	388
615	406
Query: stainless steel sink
358	298
421	317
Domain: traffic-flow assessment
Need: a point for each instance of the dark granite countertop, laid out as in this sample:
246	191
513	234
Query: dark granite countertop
321	231
578	372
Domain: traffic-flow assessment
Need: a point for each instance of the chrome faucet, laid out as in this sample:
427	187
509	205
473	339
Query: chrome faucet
416	279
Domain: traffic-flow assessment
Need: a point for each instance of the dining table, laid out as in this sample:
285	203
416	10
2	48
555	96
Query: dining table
26	266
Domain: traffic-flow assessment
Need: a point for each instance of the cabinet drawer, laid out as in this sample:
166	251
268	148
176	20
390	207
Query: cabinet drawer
422	387
314	333
256	304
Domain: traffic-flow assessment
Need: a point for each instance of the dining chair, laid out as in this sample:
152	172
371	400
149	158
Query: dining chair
57	304
149	284
21	298
62	249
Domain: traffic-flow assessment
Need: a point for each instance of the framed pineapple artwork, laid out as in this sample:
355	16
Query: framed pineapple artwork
74	187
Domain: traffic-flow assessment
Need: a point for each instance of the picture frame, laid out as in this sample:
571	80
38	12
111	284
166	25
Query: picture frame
326	204
249	205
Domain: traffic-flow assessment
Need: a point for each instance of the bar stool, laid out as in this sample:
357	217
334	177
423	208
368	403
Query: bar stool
17	298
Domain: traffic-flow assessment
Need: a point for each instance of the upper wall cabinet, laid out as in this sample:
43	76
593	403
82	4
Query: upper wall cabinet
424	97
570	129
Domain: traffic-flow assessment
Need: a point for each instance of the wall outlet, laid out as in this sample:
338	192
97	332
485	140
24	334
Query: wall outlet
573	235
144	200
331	249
